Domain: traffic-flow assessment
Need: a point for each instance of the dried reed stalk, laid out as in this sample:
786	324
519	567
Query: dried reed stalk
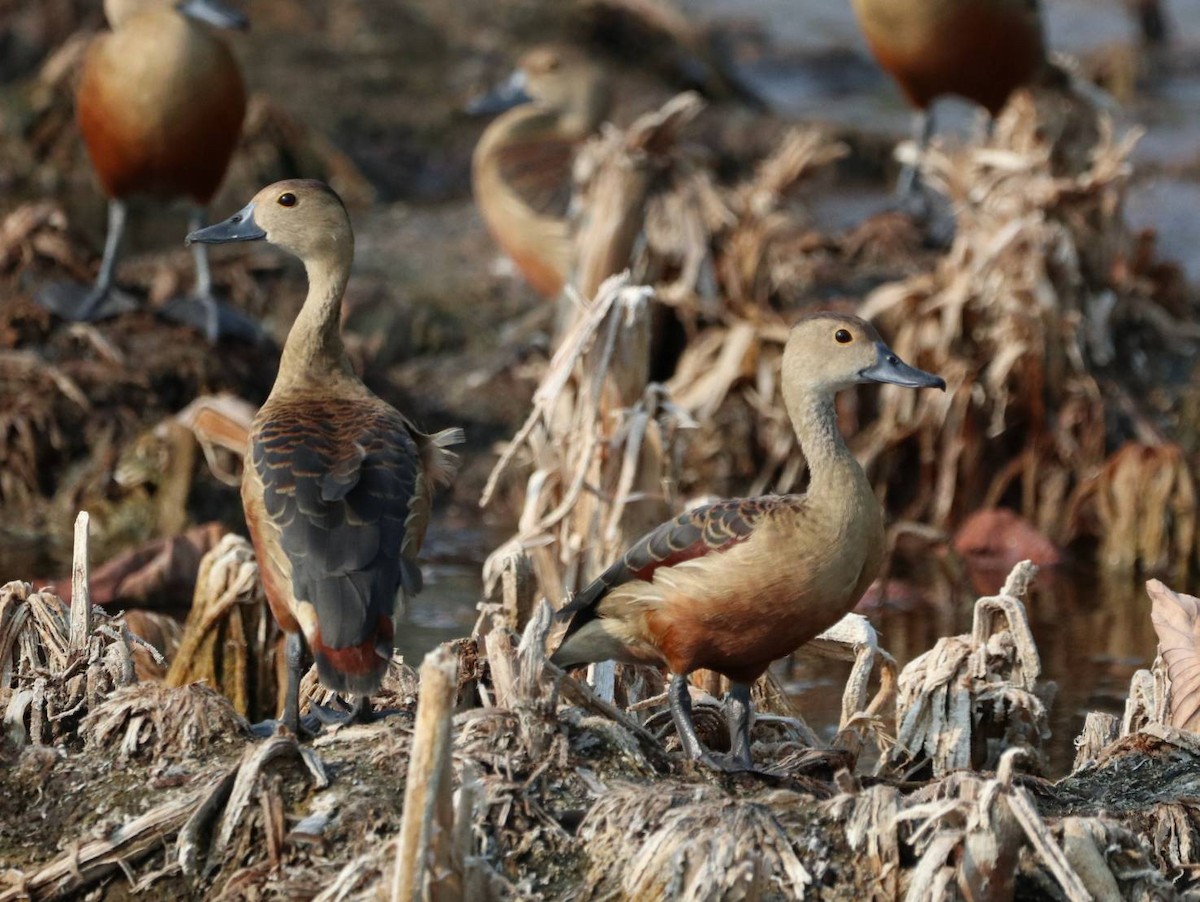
597	445
423	849
230	639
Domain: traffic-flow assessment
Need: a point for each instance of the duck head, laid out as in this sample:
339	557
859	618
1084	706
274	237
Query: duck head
558	78
211	11
827	352
302	216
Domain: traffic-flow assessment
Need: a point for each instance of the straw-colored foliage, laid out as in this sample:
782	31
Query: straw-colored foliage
598	447
48	681
230	639
971	698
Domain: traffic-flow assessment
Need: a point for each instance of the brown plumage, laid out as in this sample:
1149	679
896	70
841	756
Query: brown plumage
982	50
521	169
160	103
734	585
338	484
160	106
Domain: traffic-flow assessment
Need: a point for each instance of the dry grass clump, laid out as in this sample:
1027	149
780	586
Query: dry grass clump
680	841
155	722
51	672
230	640
970	698
1036	332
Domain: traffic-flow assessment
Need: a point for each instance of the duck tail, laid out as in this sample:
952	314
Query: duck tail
439	464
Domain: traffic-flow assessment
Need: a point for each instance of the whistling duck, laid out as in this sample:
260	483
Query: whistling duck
981	50
338	484
520	171
732	586
160	105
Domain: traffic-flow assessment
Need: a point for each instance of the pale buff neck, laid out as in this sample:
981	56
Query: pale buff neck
314	353
835	476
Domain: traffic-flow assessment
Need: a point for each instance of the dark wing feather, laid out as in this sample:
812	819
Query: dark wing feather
709	529
338	484
539	172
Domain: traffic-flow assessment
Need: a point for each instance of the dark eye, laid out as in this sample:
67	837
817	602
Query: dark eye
842	336
287	200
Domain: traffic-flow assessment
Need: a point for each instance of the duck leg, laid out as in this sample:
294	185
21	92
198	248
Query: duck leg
202	311
79	303
737	710
293	659
680	700
908	186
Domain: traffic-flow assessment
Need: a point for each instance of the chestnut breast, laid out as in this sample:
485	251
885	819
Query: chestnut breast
981	50
737	611
160	105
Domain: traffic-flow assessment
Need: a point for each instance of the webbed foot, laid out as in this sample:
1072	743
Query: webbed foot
84	303
306	727
213	319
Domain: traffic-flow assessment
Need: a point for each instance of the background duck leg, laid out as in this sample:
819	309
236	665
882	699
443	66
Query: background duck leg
84	304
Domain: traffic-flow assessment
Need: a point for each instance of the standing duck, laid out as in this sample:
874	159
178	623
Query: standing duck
160	105
981	50
338	483
520	171
732	586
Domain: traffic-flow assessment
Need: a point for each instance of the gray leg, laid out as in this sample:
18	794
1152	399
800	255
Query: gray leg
75	302
360	710
198	220
112	246
909	182
201	310
681	712
291	702
212	316
737	708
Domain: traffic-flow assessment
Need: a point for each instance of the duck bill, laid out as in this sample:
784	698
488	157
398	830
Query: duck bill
238	227
214	13
890	368
503	97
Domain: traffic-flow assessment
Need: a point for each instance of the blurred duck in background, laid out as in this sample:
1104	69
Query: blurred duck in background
160	105
521	169
980	50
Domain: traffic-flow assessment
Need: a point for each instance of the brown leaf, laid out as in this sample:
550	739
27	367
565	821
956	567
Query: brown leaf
1176	619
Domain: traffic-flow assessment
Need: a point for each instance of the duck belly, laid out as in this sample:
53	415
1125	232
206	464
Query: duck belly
160	106
755	610
981	50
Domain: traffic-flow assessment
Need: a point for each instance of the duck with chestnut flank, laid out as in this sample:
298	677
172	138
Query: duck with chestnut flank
732	586
521	169
338	483
980	50
160	106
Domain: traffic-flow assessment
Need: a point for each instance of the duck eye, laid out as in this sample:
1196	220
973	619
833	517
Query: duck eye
287	200
842	336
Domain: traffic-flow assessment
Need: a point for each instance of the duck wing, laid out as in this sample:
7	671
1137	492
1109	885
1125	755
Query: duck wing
705	530
539	173
337	485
